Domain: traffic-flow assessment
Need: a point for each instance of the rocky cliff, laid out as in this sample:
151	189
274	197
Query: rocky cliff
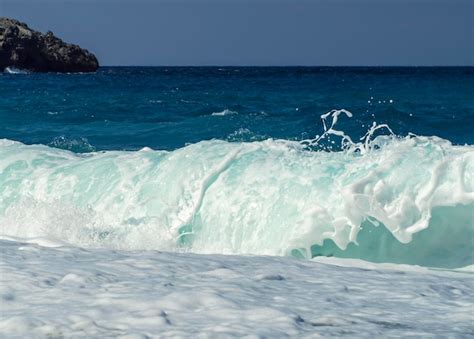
24	48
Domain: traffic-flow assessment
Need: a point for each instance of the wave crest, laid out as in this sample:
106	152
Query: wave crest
407	200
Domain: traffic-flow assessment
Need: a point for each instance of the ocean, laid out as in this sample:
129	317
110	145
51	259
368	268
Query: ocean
166	108
347	172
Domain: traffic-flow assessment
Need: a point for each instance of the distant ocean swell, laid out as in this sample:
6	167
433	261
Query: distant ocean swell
405	200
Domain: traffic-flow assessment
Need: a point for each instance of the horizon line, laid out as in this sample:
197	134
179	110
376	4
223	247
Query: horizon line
295	66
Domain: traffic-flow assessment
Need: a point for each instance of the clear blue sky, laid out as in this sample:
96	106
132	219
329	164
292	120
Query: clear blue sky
259	32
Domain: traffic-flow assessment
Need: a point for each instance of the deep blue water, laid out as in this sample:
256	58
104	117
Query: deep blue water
168	107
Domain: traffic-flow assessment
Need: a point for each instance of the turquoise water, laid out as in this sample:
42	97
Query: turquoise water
237	160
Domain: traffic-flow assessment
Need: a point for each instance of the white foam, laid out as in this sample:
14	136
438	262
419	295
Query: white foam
72	292
14	70
40	241
224	113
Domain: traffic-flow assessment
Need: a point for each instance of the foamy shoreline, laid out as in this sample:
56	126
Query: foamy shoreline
74	292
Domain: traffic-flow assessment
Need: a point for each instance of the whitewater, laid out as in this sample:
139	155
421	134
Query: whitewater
75	292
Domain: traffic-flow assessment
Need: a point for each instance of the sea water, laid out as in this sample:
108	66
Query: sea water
231	160
371	164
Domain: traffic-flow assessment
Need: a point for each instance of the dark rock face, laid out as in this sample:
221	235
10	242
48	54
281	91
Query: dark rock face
24	48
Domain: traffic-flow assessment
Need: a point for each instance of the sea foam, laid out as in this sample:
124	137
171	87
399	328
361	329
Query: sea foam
224	113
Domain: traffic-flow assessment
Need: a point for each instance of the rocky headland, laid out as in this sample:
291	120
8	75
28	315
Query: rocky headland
24	48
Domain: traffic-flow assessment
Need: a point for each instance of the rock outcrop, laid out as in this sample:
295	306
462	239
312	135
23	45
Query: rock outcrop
24	48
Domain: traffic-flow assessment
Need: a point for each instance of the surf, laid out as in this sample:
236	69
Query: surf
383	199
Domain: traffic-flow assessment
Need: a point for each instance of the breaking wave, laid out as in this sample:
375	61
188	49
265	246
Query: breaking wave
383	198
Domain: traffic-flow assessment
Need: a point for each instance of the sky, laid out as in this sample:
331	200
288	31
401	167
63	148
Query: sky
260	32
